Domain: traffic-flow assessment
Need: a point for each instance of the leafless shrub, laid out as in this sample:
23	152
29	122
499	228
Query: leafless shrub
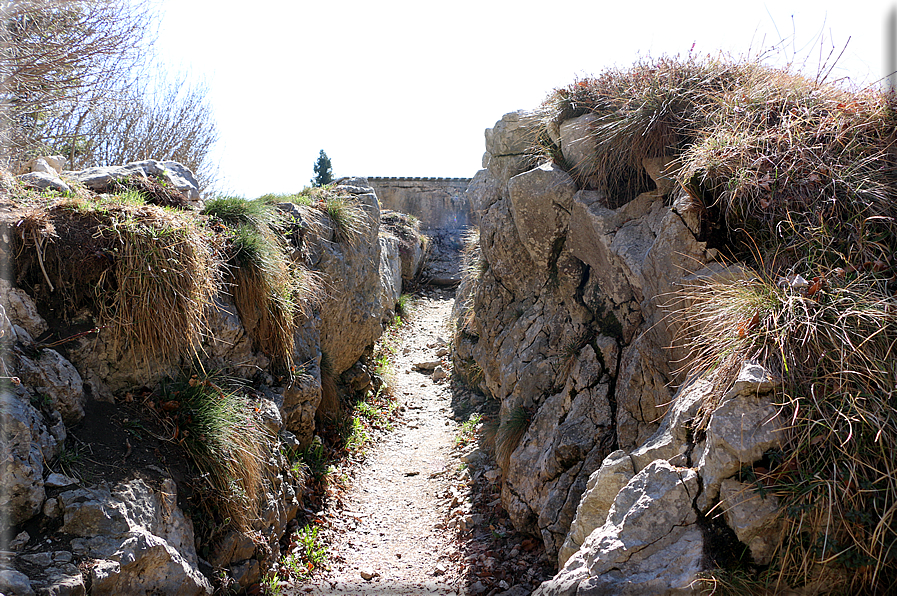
57	59
171	119
77	78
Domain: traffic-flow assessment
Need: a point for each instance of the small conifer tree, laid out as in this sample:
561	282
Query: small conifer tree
323	171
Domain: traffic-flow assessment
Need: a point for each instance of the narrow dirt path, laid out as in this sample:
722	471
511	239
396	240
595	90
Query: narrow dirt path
390	536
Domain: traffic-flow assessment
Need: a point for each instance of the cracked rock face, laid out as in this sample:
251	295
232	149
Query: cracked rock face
566	319
615	472
741	430
648	545
753	515
141	538
565	324
27	446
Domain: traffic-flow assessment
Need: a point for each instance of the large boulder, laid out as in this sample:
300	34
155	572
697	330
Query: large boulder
540	203
141	539
26	447
100	179
352	314
650	543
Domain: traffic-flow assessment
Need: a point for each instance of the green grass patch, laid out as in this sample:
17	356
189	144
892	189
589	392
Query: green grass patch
468	431
271	292
236	211
307	554
230	447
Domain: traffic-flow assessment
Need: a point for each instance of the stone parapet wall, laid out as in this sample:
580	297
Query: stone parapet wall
437	202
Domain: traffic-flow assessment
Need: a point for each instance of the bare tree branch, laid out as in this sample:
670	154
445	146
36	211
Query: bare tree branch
77	77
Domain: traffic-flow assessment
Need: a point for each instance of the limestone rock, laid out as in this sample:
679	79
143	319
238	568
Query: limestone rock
662	172
228	345
60	579
564	444
753	515
44	181
368	573
20	309
55	480
406	230
508	145
671	439
560	317
142	539
642	391
179	176
15	582
234	546
578	144
269	413
442	264
48	164
753	379
741	429
352	314
110	370
390	272
145	565
7	331
25	446
540	204
514	134
604	484
648	545
300	402
20	541
358	377
439	374
53	377
246	572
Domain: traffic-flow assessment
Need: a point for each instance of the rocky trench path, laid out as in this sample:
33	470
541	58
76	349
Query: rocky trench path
422	515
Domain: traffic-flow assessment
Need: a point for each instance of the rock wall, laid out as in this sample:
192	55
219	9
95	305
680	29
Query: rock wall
439	203
130	534
562	320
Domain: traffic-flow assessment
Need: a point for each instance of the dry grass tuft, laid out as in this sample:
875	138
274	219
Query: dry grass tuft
149	274
473	266
166	275
228	444
509	434
329	408
653	109
831	341
271	293
797	178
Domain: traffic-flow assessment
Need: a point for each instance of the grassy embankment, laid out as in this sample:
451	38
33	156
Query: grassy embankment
796	179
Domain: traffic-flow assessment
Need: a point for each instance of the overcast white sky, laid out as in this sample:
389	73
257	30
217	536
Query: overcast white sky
394	88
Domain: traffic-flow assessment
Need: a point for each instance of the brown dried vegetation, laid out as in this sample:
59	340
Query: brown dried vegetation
796	178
